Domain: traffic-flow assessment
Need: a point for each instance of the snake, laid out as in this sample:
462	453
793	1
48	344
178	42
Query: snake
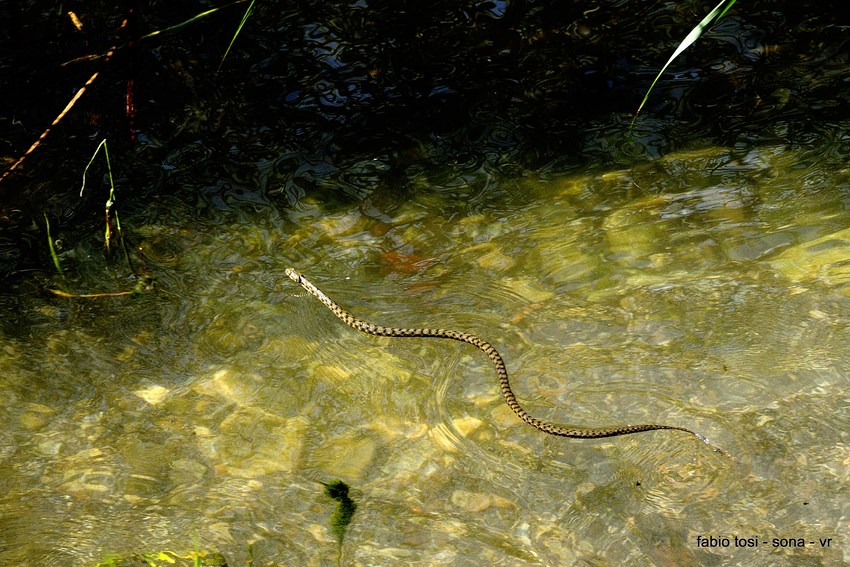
498	364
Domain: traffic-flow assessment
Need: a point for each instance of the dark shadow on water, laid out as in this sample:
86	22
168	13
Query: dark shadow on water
347	99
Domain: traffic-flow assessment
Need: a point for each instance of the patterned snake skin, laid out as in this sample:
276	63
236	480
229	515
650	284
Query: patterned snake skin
498	363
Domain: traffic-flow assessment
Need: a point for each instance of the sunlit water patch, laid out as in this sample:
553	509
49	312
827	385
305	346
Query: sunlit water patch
707	289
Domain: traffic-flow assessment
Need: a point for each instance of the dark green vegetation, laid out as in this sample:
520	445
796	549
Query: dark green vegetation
345	508
362	98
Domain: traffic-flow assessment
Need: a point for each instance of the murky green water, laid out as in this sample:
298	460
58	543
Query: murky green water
708	289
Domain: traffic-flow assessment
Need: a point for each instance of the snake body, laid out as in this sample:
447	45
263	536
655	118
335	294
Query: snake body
498	363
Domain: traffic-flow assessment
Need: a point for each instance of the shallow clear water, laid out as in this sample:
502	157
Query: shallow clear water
707	289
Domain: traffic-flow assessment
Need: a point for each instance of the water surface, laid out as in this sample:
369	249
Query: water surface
707	289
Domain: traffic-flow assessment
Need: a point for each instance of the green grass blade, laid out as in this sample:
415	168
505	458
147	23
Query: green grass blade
52	249
712	16
238	29
191	20
107	236
110	201
88	165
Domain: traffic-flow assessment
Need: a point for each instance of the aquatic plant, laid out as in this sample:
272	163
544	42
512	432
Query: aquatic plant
50	245
107	237
694	34
345	508
104	58
145	281
236	33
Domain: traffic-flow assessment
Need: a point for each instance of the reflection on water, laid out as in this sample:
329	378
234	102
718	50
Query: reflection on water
706	289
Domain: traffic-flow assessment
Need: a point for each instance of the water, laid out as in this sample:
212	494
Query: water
707	289
478	177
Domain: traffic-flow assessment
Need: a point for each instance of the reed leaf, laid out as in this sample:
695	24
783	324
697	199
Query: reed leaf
717	13
236	33
52	249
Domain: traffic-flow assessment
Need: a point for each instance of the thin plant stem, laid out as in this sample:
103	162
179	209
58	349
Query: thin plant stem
110	201
52	249
238	29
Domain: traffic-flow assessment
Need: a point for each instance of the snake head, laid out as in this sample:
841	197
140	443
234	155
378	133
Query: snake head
293	275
